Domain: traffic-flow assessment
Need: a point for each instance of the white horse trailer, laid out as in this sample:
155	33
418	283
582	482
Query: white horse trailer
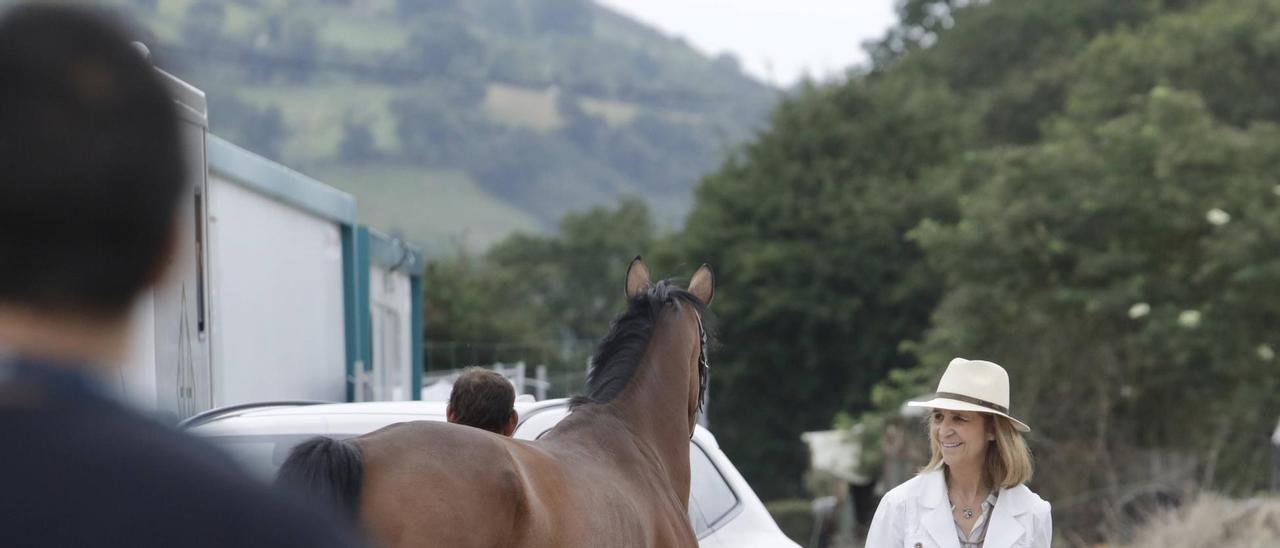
278	311
276	292
169	363
394	367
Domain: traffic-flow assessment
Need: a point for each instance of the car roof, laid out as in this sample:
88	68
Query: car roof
304	408
209	421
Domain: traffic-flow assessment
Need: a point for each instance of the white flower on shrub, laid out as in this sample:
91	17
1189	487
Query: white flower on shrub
1265	353
1217	217
1189	318
1139	310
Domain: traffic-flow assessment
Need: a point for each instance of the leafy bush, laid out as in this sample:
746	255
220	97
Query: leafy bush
794	517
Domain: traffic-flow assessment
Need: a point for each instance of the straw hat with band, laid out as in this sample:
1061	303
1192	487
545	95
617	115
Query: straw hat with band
973	385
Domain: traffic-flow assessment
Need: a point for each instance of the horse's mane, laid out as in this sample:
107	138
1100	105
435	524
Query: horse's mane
618	356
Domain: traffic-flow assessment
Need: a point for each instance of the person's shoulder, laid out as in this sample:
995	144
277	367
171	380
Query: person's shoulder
1031	500
907	490
229	499
150	441
124	465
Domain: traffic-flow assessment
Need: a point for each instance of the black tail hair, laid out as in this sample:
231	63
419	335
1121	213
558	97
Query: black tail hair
327	469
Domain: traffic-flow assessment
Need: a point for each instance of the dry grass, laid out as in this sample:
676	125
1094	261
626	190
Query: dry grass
522	107
1211	520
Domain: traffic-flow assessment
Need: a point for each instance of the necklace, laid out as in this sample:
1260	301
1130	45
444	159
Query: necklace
966	511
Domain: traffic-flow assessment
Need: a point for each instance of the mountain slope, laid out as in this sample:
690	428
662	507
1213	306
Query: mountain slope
450	117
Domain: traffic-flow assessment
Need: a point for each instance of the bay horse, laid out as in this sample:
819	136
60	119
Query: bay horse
615	472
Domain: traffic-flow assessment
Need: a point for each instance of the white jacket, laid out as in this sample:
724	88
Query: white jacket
917	514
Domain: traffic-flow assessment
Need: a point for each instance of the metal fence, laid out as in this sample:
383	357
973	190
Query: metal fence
564	362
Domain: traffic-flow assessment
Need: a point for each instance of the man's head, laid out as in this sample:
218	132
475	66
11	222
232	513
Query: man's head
483	399
90	164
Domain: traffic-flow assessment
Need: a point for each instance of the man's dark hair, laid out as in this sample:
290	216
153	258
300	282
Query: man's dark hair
91	164
483	399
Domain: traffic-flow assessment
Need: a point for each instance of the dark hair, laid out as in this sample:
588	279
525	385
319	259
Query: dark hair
90	162
327	470
483	399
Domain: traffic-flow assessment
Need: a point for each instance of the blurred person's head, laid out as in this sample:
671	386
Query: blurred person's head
91	166
970	427
483	399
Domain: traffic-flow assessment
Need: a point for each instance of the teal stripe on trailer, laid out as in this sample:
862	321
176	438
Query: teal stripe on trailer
365	311
279	182
415	286
355	285
352	343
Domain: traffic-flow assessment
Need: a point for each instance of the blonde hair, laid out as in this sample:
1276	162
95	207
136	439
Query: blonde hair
1008	457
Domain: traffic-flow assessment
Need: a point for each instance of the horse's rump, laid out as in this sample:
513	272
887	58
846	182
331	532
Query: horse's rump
464	487
457	485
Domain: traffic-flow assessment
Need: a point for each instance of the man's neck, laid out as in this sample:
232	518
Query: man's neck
74	340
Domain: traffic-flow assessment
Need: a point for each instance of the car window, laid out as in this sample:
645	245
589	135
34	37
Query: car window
709	493
700	525
261	455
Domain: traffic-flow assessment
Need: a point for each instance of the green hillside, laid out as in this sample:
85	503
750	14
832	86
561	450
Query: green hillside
453	117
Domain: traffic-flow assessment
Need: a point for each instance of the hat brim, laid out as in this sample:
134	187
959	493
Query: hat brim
957	405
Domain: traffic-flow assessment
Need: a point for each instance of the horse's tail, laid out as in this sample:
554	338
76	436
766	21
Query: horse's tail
326	468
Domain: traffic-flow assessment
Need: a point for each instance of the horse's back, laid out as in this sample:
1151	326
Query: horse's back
437	484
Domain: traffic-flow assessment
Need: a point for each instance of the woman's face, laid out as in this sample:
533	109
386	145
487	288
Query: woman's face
962	436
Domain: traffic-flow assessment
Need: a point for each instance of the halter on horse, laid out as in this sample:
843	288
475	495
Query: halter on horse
614	472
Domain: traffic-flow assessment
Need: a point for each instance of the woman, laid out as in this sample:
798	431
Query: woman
972	492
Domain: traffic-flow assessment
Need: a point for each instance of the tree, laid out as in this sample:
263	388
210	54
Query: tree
357	141
203	21
298	50
823	292
817	284
562	16
444	48
416	8
259	129
553	293
1122	272
432	129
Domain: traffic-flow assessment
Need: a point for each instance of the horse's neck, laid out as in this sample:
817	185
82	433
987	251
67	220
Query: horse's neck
654	406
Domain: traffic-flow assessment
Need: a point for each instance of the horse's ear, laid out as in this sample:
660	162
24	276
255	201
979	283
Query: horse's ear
637	277
703	284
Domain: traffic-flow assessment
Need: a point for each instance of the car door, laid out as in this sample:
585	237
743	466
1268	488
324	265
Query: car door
712	502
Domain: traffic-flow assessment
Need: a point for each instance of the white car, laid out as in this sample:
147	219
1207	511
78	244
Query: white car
725	512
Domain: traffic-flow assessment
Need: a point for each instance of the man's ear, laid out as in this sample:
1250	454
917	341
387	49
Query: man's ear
448	413
510	428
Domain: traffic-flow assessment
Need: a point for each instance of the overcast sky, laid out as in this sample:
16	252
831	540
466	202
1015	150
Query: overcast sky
776	40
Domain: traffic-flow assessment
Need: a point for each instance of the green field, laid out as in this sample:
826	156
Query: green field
314	115
447	208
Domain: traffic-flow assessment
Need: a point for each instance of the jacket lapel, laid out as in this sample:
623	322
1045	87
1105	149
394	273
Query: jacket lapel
1005	529
936	511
